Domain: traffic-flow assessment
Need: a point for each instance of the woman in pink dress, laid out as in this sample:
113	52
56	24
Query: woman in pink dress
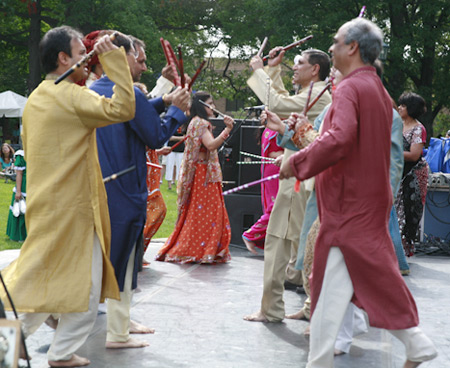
255	236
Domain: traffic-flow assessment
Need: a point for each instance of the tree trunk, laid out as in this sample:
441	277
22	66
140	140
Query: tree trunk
34	77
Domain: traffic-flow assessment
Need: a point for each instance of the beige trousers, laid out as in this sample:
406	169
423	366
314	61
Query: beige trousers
73	328
335	296
277	252
118	312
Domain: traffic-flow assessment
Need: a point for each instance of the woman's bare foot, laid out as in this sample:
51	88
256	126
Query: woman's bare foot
338	352
129	344
137	328
250	246
256	317
299	315
74	361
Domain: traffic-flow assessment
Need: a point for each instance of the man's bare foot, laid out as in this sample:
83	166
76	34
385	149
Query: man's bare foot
52	322
74	361
256	317
307	331
338	352
250	246
299	315
410	364
137	328
129	344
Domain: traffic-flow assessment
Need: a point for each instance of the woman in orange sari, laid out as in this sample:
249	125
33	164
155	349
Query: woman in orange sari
202	233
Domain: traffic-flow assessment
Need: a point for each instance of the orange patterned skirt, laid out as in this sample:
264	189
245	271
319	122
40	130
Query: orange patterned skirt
202	233
156	212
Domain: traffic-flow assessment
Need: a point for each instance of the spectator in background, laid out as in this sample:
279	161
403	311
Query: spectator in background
413	188
7	156
15	228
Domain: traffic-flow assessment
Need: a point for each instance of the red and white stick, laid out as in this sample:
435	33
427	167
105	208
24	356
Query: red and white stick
248	185
154	165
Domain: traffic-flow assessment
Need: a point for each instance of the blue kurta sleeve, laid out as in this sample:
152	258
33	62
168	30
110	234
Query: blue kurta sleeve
149	126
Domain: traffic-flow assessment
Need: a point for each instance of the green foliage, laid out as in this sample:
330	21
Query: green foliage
418	34
442	123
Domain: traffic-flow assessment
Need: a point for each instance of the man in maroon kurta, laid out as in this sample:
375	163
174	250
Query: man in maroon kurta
354	258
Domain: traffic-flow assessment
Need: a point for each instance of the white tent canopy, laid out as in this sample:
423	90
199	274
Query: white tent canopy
12	104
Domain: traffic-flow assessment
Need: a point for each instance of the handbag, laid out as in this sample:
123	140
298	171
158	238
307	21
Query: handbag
22	206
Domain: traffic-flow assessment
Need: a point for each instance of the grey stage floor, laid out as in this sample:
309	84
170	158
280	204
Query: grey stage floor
197	313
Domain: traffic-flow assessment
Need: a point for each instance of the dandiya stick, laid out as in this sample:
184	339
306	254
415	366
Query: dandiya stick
197	73
172	62
178	143
292	45
210	107
317	97
248	185
263	46
361	13
120	173
181	66
256	156
254	162
83	61
156	166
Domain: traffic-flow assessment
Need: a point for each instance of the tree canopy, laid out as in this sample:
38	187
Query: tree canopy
417	33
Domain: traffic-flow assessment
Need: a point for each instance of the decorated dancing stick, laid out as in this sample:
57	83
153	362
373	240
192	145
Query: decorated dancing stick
248	185
197	73
156	166
361	13
172	62
327	86
181	66
256	156
120	173
292	45
178	143
263	46
83	61
254	162
210	107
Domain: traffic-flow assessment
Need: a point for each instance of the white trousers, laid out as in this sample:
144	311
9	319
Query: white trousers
353	324
335	296
73	328
173	159
118	313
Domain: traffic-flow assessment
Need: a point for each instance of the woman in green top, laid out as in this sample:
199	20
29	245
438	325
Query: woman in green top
16	225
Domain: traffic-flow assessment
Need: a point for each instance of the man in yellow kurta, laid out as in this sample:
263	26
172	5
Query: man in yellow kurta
64	264
285	223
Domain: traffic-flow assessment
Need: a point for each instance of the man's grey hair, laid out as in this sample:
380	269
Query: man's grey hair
368	36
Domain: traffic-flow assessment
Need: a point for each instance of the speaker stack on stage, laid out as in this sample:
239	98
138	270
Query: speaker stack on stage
244	207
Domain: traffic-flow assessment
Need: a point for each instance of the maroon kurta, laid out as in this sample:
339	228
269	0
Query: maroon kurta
351	163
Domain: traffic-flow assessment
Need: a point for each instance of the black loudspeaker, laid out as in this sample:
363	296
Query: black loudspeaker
243	211
229	154
250	142
437	214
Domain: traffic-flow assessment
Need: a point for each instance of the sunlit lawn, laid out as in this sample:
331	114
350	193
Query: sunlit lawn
170	197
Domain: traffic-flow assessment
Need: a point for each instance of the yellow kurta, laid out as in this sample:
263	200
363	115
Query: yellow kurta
66	197
287	213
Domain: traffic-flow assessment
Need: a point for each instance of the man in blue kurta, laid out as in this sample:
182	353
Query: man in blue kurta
120	148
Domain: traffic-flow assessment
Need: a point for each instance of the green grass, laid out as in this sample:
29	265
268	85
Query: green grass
170	197
5	201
